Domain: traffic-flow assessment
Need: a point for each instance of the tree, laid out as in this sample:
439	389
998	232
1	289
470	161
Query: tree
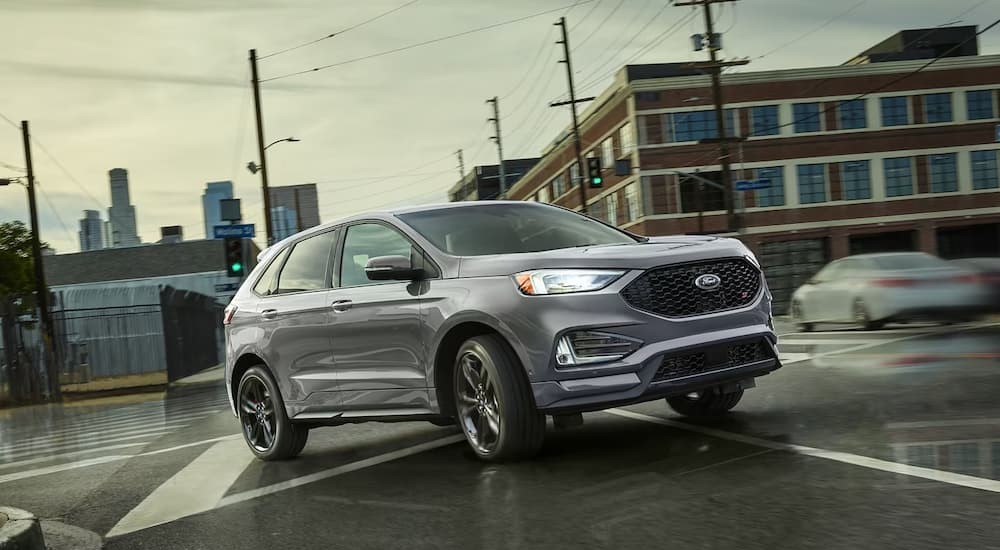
16	266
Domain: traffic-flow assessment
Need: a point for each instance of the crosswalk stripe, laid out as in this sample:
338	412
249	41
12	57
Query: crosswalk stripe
59	468
85	427
126	430
90	443
51	457
196	488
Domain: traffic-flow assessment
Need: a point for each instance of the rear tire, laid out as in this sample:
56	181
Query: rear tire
705	403
493	401
265	425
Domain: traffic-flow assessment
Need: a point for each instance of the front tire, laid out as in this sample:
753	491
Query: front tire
798	316
494	403
705	403
862	317
263	419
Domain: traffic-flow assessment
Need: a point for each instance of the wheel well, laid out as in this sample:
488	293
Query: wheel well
444	362
241	366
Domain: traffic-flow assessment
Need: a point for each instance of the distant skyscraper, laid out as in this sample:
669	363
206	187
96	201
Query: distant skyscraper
301	200
283	222
215	191
91	231
122	213
171	234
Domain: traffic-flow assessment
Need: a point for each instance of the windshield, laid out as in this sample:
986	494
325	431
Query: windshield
510	229
909	261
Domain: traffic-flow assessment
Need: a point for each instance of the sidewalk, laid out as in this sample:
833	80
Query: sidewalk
207	376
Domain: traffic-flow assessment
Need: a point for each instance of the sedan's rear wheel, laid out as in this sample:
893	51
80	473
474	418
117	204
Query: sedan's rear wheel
494	403
862	317
705	403
265	424
798	316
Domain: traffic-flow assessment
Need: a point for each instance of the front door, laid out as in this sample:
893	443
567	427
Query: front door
377	343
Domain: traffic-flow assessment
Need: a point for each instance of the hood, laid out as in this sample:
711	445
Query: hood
655	252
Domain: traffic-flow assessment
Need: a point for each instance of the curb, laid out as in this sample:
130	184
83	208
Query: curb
19	530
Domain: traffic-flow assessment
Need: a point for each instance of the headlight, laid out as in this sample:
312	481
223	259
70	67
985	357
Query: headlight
563	281
753	259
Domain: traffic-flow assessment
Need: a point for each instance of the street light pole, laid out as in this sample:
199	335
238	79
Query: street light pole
41	289
260	147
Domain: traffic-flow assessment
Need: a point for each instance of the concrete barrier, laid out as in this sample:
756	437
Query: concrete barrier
19	530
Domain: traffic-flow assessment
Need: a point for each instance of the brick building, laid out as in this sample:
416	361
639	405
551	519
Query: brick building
483	182
910	165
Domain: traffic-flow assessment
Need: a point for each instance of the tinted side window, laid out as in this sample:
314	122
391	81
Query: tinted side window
268	282
365	241
829	273
306	267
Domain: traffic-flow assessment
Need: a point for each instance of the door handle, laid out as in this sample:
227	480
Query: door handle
269	314
341	305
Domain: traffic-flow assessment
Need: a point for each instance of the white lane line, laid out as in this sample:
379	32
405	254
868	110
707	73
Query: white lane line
338	470
85	427
101	460
857	348
951	478
42	442
196	488
822	342
51	457
787	358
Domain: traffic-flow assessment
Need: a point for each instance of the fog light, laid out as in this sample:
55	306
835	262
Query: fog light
589	347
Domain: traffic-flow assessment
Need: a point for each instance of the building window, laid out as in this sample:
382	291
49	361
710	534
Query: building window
611	208
856	180
812	183
607	153
807	117
543	194
626	139
559	185
774	194
852	114
696	125
596	209
574	174
898	176
937	107
764	120
984	170
943	173
631	203
979	104
895	111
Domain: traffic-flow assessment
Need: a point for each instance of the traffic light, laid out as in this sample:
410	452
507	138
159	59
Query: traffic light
234	257
594	171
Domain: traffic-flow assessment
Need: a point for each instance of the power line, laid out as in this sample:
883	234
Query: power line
419	44
631	40
541	50
331	35
814	30
11	122
241	125
599	26
586	15
12	167
65	171
54	211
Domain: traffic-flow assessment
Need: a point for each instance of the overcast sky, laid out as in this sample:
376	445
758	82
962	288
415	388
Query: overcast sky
160	87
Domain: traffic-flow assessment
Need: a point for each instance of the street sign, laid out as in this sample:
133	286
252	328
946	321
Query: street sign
996	129
227	287
241	230
749	185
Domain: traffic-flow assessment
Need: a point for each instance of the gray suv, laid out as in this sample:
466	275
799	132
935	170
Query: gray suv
489	315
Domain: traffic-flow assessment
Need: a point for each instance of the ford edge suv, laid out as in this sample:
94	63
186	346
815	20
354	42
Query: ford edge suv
489	315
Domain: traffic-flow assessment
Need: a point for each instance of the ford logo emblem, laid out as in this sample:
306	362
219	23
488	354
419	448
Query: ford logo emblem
708	281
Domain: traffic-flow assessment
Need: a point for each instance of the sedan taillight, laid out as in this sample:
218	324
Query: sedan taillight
895	282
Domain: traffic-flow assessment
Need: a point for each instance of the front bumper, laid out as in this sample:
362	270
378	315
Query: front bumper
647	381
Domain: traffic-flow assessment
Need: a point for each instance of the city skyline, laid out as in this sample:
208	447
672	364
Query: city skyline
401	116
215	191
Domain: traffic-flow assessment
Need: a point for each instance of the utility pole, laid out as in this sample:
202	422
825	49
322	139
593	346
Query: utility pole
581	185
496	137
260	147
461	165
41	289
715	67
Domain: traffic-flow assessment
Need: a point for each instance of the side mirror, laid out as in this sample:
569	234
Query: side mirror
392	268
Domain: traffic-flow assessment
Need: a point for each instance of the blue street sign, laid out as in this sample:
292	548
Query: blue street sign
749	185
242	230
227	287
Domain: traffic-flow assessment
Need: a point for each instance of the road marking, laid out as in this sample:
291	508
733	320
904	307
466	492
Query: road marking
26	452
43	442
196	488
859	347
818	341
951	478
87	463
945	423
787	358
49	458
88	427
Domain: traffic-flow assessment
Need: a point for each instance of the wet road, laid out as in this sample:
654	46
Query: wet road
887	439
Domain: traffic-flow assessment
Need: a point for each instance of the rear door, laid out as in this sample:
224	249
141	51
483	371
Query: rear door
817	297
377	342
296	321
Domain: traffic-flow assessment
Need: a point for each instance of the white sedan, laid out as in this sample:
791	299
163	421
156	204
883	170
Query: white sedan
873	289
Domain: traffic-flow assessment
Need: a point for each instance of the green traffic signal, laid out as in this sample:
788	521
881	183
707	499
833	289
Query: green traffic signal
236	267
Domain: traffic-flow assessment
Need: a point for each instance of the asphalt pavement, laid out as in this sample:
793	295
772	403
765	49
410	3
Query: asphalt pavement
887	439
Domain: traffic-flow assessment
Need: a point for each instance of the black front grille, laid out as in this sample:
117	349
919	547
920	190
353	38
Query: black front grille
671	291
712	358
